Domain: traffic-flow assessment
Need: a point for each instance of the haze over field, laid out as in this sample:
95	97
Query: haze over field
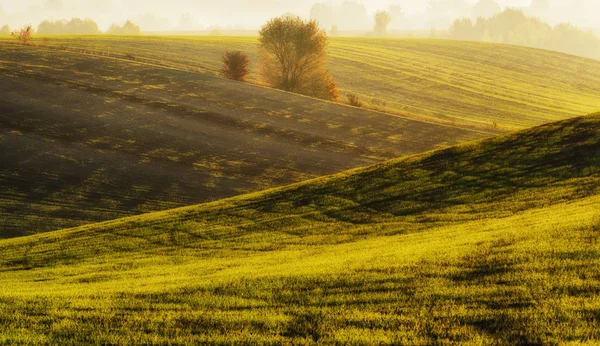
250	15
311	172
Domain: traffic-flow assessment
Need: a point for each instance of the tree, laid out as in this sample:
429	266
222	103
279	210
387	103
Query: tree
114	30
480	28
5	31
433	32
129	28
293	56
23	35
235	65
49	27
78	26
335	31
382	20
462	29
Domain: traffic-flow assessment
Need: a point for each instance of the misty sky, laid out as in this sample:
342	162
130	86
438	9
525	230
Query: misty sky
250	14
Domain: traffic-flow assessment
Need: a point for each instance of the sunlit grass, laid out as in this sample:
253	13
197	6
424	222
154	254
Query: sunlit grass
493	242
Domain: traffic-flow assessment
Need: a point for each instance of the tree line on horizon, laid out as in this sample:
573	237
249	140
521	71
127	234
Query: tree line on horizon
77	26
515	27
354	15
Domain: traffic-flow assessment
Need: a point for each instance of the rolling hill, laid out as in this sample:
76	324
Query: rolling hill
489	242
463	83
87	138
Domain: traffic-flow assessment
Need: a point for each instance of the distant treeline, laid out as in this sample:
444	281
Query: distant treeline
514	27
77	26
129	28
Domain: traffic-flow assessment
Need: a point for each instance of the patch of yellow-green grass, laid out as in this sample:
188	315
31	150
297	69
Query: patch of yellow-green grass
494	242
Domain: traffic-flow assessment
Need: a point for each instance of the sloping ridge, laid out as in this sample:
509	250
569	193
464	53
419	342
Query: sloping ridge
441	80
489	179
87	139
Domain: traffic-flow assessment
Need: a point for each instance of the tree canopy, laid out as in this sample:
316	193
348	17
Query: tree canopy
382	20
293	56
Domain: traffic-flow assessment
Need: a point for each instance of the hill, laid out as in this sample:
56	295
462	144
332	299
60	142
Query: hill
456	82
87	138
493	242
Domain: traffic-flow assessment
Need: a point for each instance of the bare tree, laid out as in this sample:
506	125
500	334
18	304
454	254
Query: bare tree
235	65
5	31
23	35
382	20
293	57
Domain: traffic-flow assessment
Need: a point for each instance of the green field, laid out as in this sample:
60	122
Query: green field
490	242
467	83
89	138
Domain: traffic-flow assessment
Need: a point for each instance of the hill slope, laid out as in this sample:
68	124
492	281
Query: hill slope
89	139
441	80
488	242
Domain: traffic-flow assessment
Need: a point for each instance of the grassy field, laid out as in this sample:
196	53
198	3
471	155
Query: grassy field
87	138
466	83
141	137
492	242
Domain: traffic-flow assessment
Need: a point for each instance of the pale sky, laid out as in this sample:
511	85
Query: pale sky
248	14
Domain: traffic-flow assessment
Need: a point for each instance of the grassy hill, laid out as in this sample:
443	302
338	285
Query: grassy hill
492	242
468	83
87	138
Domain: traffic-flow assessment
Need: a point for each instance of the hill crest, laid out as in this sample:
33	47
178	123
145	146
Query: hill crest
490	179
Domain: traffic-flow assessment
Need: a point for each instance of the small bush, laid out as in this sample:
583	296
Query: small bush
235	65
23	35
333	93
323	88
354	101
